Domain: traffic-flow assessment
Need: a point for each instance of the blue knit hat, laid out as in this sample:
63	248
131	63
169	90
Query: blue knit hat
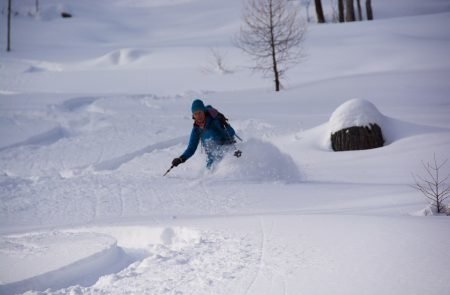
197	105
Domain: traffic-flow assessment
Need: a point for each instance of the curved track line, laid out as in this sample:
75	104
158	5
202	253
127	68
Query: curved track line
115	163
261	257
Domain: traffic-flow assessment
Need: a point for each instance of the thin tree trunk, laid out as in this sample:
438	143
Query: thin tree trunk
37	6
274	57
9	26
319	11
341	11
369	10
360	17
275	70
349	11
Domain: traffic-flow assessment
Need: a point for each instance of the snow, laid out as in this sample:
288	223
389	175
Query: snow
262	162
56	259
355	112
94	108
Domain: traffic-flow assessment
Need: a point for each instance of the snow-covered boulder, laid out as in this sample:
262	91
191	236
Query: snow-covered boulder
356	125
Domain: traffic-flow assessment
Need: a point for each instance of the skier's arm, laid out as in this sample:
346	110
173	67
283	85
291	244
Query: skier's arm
192	146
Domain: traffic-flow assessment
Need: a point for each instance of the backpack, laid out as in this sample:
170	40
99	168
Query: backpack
215	114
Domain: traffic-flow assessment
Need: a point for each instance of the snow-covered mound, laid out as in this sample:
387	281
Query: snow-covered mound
355	112
139	259
362	113
119	57
59	259
260	162
38	261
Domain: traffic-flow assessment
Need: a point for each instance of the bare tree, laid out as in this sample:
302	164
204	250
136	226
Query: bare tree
8	48
434	187
369	10
319	11
37	7
272	34
349	11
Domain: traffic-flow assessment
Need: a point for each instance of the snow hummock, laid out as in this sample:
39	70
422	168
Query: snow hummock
119	57
355	112
38	261
59	259
260	162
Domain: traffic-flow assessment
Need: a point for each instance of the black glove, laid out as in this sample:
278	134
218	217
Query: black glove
177	161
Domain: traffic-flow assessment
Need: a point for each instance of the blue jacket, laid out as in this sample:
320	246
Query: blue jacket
214	139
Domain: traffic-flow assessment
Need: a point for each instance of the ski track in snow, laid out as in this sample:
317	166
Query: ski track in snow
115	163
45	138
260	265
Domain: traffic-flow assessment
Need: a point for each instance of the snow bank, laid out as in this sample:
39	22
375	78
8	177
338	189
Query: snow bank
427	211
260	162
56	260
180	259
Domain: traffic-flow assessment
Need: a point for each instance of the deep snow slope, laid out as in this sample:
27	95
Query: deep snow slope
94	108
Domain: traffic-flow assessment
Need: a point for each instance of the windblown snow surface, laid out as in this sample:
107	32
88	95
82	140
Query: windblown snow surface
94	108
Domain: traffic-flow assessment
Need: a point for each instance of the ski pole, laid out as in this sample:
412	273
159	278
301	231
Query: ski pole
237	152
168	170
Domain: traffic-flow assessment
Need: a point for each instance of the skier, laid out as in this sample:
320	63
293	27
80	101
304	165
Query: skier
210	127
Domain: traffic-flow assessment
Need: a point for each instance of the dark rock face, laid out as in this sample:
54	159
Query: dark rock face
66	15
357	138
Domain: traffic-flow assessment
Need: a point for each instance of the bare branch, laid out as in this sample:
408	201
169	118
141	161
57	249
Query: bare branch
433	187
271	34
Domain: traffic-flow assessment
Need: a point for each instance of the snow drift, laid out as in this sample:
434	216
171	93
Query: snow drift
260	162
57	260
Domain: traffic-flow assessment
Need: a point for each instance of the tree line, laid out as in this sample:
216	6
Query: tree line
346	10
9	13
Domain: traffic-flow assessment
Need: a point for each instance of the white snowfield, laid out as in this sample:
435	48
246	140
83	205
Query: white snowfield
94	108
